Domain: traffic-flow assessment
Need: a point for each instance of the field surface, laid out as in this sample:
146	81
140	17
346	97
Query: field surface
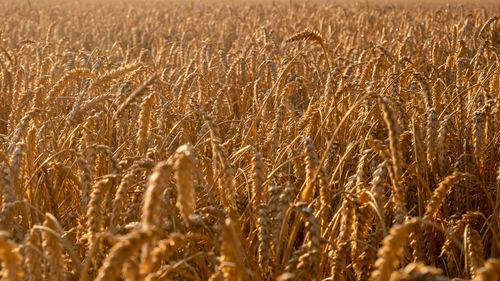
259	141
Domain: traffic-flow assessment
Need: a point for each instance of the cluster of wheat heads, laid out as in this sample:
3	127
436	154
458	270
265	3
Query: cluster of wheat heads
249	142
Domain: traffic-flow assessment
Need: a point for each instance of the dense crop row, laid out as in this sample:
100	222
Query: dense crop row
249	142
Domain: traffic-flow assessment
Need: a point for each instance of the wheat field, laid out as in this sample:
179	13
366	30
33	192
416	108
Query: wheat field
259	141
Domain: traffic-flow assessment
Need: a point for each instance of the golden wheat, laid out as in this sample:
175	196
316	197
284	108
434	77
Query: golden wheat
249	141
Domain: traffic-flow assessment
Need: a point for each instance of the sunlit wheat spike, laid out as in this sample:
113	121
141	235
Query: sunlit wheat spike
184	173
124	249
11	259
307	34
